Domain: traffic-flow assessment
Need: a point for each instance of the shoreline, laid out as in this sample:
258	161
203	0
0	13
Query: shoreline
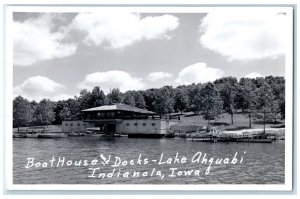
257	130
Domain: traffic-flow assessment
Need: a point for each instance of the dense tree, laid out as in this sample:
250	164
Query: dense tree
258	81
281	104
85	99
22	112
266	106
134	98
129	98
278	88
277	84
164	101
114	97
71	110
33	105
58	107
65	113
245	98
139	100
150	98
249	96
97	97
194	97
227	87
210	102
181	100
44	113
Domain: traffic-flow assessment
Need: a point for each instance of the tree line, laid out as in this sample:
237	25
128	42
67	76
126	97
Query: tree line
261	99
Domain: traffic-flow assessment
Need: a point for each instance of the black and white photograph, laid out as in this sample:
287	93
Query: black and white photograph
172	97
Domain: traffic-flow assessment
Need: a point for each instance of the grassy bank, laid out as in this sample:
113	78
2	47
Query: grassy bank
240	122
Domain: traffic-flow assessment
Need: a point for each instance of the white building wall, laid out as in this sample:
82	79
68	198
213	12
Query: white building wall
147	126
75	126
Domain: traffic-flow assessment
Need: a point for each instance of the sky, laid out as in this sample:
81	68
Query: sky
55	55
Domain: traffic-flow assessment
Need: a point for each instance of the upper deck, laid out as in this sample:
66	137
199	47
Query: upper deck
115	112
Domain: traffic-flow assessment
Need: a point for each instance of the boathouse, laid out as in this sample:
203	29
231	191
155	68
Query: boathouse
122	119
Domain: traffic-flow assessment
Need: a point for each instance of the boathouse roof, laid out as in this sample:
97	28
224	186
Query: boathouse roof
119	107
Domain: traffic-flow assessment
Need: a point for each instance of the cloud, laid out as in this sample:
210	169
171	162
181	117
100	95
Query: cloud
253	75
120	29
34	40
61	97
198	73
39	87
158	76
111	79
244	35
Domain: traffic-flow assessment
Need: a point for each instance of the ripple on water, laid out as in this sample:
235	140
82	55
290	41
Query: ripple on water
263	163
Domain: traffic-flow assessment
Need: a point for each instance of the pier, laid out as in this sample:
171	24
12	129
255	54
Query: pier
228	139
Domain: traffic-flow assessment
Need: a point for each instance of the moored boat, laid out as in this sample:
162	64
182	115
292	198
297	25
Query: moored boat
230	139
19	135
31	135
46	135
52	135
73	134
61	135
96	135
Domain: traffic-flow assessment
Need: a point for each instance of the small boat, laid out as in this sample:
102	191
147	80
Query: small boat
118	135
52	135
73	134
204	139
61	135
46	135
96	135
170	135
19	135
32	135
252	140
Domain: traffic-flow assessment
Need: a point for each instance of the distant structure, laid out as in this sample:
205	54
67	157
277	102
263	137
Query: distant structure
121	119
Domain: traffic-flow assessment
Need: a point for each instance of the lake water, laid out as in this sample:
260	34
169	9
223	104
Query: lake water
261	164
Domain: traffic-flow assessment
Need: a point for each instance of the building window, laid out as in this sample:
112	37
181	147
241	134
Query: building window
127	124
84	124
112	114
102	114
78	124
66	124
71	124
135	124
98	115
153	124
144	124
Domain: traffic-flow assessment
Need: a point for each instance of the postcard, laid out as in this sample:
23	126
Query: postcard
149	97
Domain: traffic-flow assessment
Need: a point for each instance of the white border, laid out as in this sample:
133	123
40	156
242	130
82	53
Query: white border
9	87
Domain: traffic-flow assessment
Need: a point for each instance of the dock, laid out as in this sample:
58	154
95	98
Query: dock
230	139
